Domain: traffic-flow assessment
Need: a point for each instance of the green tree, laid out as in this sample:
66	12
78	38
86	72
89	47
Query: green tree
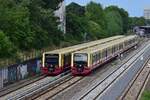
94	31
75	26
76	9
14	19
29	24
53	4
43	25
94	12
75	22
114	22
6	47
136	21
123	14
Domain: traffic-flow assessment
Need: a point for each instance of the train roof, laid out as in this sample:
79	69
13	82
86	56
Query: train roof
106	45
84	45
144	26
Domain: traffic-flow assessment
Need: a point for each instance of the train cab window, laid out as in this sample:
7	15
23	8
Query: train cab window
80	58
51	59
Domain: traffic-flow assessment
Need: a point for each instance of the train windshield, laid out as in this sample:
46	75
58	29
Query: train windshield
80	58
51	59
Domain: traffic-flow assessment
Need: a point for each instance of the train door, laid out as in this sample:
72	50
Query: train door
106	54
67	61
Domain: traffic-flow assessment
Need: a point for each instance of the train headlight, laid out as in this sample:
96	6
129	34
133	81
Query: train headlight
51	65
74	65
56	66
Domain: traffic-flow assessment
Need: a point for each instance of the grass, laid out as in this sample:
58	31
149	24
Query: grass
145	95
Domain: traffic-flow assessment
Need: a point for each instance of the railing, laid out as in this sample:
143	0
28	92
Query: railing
23	56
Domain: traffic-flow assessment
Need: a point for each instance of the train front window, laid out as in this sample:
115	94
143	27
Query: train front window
51	59
80	59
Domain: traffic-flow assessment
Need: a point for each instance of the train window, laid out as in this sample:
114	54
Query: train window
100	55
126	43
112	49
133	40
52	59
120	46
97	56
109	51
104	53
80	58
115	48
94	58
130	42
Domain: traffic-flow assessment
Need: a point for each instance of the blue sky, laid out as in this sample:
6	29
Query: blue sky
134	7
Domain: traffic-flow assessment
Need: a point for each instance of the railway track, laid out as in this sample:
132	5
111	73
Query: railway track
136	87
96	91
19	85
35	87
58	88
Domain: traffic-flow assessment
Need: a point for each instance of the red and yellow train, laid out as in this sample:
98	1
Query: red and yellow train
55	62
84	61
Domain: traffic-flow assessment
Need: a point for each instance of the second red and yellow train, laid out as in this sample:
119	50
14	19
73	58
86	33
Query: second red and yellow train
83	57
84	61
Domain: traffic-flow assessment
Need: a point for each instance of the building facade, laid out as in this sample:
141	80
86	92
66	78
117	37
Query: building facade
147	13
62	16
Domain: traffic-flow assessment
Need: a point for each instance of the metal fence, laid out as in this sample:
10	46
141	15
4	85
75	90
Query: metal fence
24	56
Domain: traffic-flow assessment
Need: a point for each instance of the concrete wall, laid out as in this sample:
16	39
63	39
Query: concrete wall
1	80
